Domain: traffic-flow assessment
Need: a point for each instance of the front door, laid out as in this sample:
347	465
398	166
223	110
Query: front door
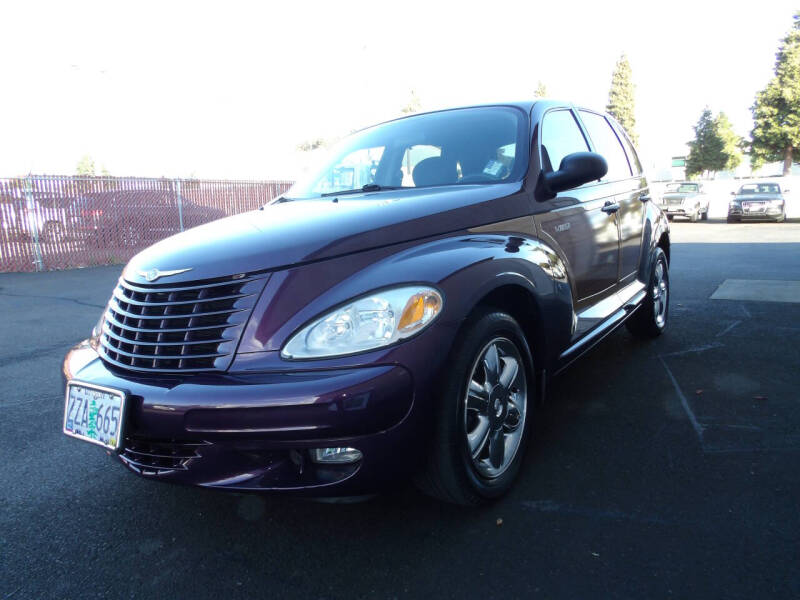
580	223
628	186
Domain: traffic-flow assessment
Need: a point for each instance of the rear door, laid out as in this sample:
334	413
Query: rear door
578	222
625	174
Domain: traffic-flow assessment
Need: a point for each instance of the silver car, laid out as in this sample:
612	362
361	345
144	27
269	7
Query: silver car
685	199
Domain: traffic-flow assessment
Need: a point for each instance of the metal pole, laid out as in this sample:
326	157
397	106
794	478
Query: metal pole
33	223
180	201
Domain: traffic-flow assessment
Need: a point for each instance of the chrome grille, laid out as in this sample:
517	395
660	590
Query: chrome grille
194	326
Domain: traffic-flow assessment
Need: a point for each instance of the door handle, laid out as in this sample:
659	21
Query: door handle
610	207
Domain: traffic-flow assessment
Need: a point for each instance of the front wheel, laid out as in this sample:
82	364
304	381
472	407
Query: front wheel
483	414
650	319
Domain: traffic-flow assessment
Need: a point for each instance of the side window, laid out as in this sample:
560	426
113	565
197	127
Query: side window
560	136
633	158
412	157
607	144
355	170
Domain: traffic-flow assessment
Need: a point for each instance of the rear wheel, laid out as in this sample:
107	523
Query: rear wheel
484	413
650	319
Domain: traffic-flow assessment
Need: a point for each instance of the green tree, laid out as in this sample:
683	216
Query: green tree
85	165
312	144
620	97
776	112
413	105
731	143
715	146
541	90
704	147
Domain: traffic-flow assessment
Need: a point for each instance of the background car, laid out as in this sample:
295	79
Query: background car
758	202
685	199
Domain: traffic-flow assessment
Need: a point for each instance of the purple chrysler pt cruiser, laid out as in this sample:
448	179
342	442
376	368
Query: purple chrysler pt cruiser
396	314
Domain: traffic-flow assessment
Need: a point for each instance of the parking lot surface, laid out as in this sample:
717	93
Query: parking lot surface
659	469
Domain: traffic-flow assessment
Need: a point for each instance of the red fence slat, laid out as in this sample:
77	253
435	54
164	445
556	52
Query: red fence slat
85	221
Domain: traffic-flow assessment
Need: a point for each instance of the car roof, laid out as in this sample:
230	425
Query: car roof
524	105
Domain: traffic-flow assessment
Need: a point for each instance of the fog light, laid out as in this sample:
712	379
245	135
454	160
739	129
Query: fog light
335	455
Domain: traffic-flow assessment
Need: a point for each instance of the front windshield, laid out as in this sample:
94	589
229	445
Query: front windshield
760	188
454	147
682	188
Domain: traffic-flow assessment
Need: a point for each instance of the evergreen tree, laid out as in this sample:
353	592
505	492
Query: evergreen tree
731	143
776	112
413	104
715	146
620	97
85	165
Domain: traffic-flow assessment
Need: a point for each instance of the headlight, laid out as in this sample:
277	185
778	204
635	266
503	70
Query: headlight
776	203
379	319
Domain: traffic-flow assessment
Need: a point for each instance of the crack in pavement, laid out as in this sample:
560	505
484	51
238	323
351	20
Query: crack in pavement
52	298
35	353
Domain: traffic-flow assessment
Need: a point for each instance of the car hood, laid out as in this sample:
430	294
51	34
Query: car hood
299	231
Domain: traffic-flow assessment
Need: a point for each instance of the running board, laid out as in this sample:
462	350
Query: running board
602	318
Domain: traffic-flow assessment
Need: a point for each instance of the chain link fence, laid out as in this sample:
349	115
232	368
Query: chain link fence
62	222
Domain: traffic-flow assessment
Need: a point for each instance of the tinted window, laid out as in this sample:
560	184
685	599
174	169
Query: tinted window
683	188
607	144
760	188
633	158
560	136
355	169
464	146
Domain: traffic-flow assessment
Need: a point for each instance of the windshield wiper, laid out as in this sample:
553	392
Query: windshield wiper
370	187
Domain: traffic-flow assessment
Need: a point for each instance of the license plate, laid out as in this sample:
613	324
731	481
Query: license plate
753	207
94	413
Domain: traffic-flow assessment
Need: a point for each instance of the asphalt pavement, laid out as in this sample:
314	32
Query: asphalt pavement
658	470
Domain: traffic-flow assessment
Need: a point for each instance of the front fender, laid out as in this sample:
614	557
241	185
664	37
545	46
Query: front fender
465	268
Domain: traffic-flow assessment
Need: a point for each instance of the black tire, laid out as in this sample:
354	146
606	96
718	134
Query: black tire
669	217
649	321
705	215
733	220
450	474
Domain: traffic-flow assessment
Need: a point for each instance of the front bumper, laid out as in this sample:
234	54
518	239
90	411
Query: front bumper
769	214
254	431
677	210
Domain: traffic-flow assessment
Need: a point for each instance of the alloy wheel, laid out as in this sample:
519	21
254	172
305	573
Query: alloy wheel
660	293
495	407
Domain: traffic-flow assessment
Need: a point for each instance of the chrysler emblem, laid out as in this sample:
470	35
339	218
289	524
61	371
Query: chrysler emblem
153	274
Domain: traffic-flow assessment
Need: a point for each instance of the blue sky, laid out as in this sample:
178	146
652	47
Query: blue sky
228	89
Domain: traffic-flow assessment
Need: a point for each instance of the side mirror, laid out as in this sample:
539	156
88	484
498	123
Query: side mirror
733	193
575	170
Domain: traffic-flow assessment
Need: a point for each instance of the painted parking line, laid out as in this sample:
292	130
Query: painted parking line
758	290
